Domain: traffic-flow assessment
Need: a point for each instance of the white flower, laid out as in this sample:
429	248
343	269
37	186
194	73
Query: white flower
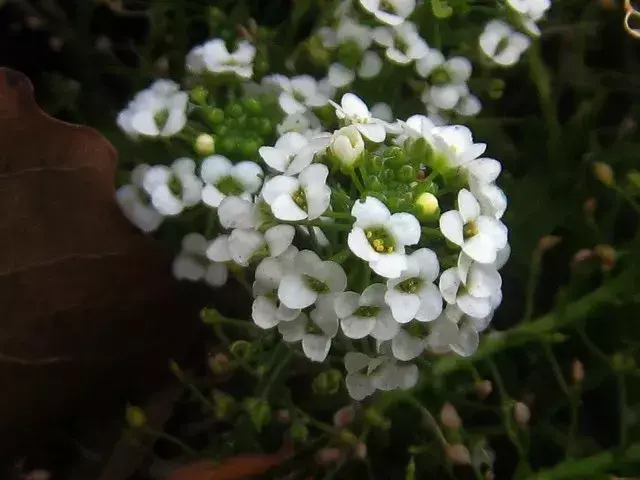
350	31
340	76
214	57
379	238
493	201
447	79
347	145
405	346
309	278
502	44
479	236
192	263
454	143
293	152
245	244
391	12
267	311
295	199
159	111
484	282
237	212
299	93
531	11
306	123
365	375
413	294
383	111
223	178
316	335
366	314
468	106
134	203
354	111
173	189
403	43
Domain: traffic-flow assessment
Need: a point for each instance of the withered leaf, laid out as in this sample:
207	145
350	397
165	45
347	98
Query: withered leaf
89	307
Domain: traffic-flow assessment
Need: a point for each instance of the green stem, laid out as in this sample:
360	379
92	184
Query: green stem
171	439
532	283
356	180
622	407
574	398
537	329
328	225
588	467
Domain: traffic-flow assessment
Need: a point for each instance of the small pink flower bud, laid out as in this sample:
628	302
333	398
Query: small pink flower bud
548	242
449	417
219	364
37	475
283	416
328	456
577	371
458	454
607	256
344	416
483	389
604	173
589	206
522	414
581	256
360	451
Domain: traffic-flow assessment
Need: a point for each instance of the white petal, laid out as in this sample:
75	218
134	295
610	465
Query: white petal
212	196
357	327
244	244
480	248
386	327
370	213
468	206
236	212
370	66
359	386
407	376
214	168
294	331
449	285
279	186
218	250
269	273
474	306
427	263
360	246
352	105
316	347
263	312
324	315
318	201
194	243
389	265
468	341
285	208
289	104
275	158
372	131
495	229
355	361
404	306
295	293
334	276
483	280
443	333
217	274
451	226
279	238
340	76
346	303
406	347
405	228
249	174
165	201
374	295
430	304
186	267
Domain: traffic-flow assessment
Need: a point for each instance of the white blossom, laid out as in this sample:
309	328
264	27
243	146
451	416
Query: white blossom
293	152
479	236
390	12
531	11
413	294
405	346
213	56
502	44
309	278
403	43
192	263
174	188
459	293
379	238
366	314
367	374
222	178
355	112
134	202
158	111
301	198
347	145
298	94
447	79
245	244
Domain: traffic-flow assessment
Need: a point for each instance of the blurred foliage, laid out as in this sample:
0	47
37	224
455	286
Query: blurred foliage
567	335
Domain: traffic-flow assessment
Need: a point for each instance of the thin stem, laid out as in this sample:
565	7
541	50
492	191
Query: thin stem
356	180
573	427
622	407
170	438
532	283
628	198
275	374
328	225
556	368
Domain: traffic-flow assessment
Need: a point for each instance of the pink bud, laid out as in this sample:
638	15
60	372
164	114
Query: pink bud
449	417
344	416
483	389
328	456
607	256
360	451
522	414
581	256
590	205
37	475
458	454
283	416
577	371
548	242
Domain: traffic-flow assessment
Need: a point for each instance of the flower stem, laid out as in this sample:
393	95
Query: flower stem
171	439
356	180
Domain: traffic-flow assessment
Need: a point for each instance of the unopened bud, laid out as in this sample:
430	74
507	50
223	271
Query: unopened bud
103	44
328	456
344	416
327	382
547	242
348	437
522	414
223	404
634	179
483	389
449	417
199	95
241	349
204	144
347	146
376	419
360	451
299	432
259	412
590	205
581	256
577	371
283	416
607	256
219	364
135	417
427	204
56	43
162	65
458	454
604	173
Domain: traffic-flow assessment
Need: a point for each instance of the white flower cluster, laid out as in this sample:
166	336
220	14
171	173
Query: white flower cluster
504	45
399	41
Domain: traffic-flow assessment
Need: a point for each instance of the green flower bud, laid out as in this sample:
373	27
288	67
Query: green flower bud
135	417
374	418
241	349
406	173
215	116
634	179
394	155
204	145
299	432
175	369
224	404
496	88
318	54
349	54
376	163
228	145
252	105
199	95
249	148
604	173
259	412
375	184
327	383
265	127
387	176
219	364
234	110
348	437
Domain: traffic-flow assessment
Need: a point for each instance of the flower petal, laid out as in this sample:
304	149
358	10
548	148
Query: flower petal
295	293
406	347
451	226
404	306
357	327
316	347
405	228
430	304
